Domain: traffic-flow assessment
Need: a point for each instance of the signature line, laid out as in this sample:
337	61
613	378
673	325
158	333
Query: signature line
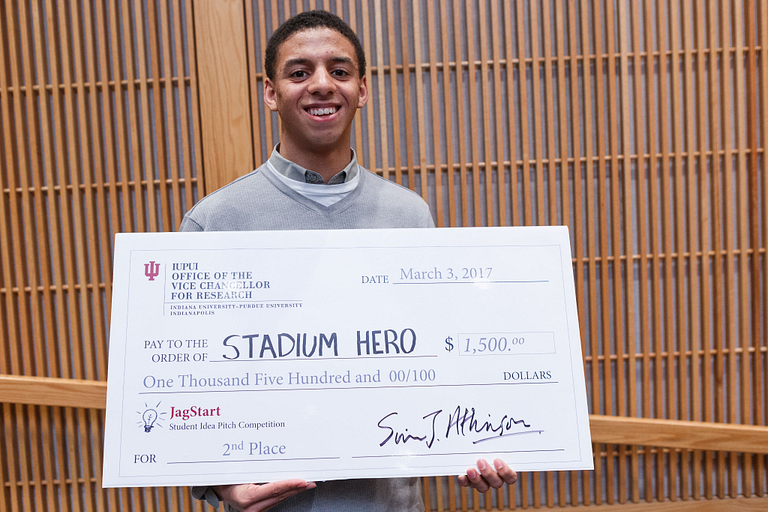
246	460
447	454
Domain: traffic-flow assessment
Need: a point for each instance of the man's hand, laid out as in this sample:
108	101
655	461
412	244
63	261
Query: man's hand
257	498
488	476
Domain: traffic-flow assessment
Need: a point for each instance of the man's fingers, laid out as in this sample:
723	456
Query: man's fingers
490	476
257	498
464	480
275	492
284	489
476	481
280	491
283	486
505	472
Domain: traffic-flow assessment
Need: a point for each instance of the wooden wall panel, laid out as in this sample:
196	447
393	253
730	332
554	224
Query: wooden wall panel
642	125
224	104
99	136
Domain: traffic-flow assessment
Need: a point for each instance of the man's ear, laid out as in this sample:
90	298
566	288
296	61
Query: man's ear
363	97
269	95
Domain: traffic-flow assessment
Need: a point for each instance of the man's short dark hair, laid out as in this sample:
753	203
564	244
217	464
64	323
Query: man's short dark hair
306	21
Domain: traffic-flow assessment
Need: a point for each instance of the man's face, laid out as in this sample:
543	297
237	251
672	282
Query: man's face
317	90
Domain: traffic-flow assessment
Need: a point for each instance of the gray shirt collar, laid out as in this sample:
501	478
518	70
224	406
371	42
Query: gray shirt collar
296	172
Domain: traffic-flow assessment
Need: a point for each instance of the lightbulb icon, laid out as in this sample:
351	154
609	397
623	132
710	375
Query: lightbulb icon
149	417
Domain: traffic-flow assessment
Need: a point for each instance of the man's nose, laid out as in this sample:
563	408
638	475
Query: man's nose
321	82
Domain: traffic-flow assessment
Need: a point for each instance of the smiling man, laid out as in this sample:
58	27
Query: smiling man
315	81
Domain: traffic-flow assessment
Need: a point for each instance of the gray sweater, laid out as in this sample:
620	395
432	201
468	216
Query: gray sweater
260	201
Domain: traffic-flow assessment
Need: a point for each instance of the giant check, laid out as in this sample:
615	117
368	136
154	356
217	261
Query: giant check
260	356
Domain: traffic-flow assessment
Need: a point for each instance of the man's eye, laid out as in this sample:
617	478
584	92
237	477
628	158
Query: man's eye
340	72
298	74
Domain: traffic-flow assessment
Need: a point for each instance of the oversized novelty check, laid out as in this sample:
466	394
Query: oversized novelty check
261	356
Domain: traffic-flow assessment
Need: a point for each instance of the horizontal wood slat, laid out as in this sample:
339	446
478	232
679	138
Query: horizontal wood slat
51	391
691	435
694	435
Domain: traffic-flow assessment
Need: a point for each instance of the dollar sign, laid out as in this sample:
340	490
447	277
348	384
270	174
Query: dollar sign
448	343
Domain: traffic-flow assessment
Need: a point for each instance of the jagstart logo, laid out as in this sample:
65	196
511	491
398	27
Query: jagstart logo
194	412
150	417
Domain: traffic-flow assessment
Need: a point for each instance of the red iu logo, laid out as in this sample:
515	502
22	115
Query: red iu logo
151	270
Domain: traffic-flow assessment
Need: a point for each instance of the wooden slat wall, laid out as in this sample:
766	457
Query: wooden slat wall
100	134
640	124
635	123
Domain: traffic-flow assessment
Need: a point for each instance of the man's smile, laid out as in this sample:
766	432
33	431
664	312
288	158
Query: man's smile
322	111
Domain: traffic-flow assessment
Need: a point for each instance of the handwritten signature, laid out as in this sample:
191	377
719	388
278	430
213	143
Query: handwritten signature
400	437
463	421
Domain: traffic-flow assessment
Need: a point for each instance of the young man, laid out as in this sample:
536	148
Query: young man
315	81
